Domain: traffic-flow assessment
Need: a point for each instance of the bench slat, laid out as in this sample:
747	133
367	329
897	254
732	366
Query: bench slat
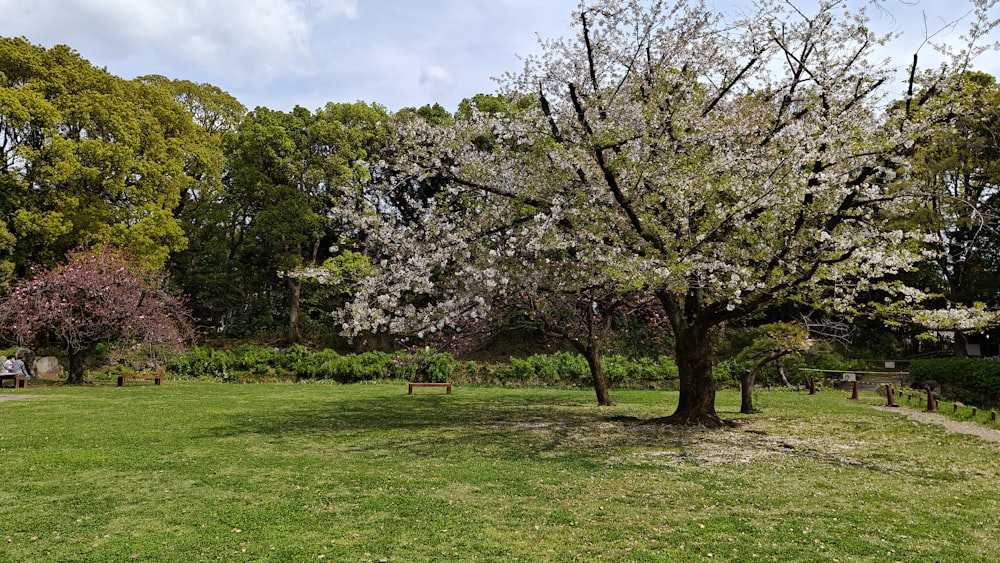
412	385
157	379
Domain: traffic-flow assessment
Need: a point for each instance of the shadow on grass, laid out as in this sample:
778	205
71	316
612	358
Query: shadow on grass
502	424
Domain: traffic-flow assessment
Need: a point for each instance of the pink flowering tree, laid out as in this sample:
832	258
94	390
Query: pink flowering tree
96	297
719	163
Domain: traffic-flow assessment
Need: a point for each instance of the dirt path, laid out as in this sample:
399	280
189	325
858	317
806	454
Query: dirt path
13	397
956	426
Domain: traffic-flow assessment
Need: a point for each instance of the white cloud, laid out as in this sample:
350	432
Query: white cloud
279	53
327	9
437	80
238	40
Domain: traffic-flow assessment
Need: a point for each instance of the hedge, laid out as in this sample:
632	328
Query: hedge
975	381
257	363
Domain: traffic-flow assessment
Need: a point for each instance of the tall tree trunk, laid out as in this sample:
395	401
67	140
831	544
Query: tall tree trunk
75	375
696	404
693	353
593	355
746	391
295	292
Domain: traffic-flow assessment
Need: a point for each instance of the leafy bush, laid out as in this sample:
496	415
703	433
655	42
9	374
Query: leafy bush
971	380
200	361
572	369
111	373
621	370
253	363
560	367
824	356
425	366
728	370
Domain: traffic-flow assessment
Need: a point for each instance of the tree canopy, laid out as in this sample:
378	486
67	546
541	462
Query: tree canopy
86	157
721	164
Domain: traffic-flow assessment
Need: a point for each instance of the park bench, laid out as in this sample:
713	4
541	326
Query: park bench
156	379
412	385
19	380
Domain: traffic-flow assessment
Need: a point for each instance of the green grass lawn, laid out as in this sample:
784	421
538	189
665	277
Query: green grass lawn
305	472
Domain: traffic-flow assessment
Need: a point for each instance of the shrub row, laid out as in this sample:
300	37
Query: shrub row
975	381
572	369
256	363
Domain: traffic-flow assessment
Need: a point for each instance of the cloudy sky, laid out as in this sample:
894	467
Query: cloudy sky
282	53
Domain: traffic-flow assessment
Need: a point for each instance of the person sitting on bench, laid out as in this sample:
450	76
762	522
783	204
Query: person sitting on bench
18	368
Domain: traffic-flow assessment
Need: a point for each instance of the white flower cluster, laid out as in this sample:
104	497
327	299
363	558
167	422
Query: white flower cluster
719	163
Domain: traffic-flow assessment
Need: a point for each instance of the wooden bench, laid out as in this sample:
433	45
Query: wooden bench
412	385
157	379
19	380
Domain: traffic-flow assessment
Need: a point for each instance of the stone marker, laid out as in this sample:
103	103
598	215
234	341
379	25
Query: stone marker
47	367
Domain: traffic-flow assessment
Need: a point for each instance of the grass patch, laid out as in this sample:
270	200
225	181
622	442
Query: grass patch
304	472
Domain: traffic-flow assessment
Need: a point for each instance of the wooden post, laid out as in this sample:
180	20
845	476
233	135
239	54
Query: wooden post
931	401
890	396
973	412
854	391
993	416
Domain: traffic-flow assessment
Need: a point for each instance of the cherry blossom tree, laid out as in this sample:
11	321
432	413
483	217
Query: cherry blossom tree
94	298
721	163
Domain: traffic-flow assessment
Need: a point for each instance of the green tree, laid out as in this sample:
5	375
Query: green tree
959	167
7	241
204	268
771	342
286	174
86	157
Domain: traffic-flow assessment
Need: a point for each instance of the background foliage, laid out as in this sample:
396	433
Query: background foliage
975	381
253	363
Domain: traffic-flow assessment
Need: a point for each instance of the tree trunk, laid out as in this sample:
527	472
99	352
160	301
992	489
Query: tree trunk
696	404
75	375
593	355
746	391
782	376
295	292
959	347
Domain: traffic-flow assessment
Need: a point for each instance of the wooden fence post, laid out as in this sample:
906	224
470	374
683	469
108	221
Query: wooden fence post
890	396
